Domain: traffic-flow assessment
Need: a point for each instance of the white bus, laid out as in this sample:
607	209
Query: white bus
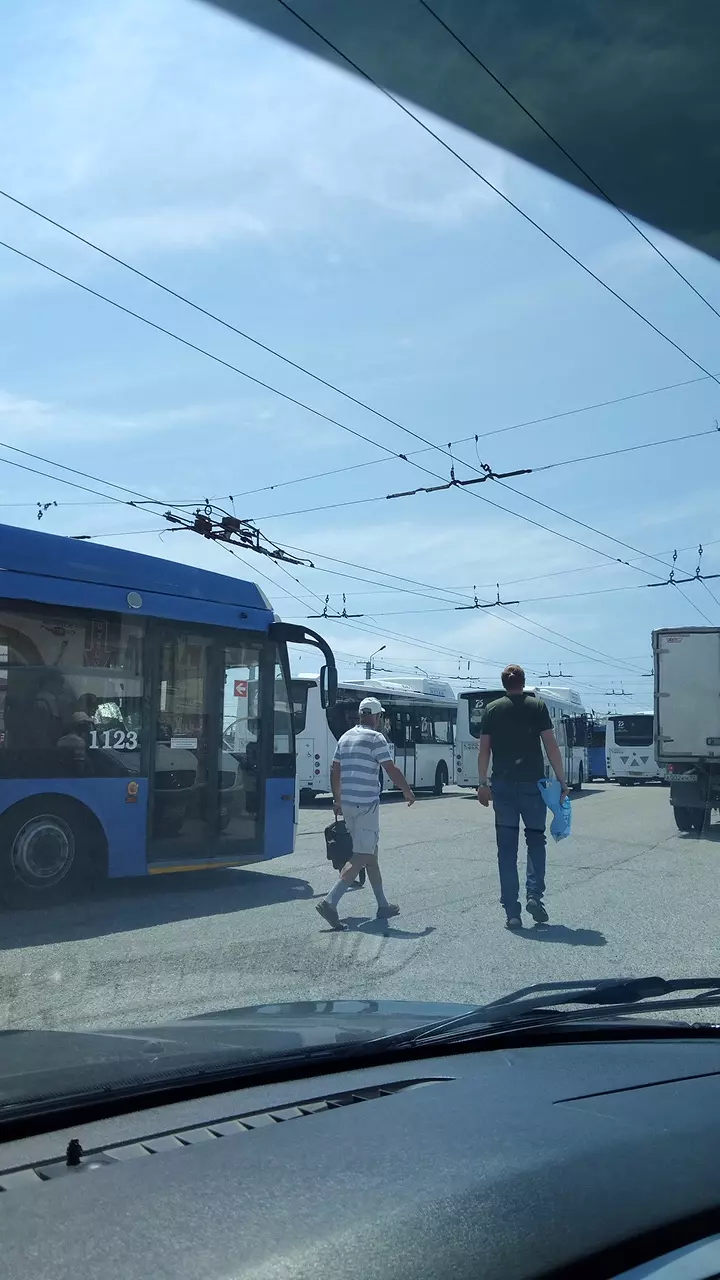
419	724
569	721
630	750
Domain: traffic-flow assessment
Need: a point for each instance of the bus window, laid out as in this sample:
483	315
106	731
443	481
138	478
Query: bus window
282	715
442	727
427	729
299	690
342	717
71	694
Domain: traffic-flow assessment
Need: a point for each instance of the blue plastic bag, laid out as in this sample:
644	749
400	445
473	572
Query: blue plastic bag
561	824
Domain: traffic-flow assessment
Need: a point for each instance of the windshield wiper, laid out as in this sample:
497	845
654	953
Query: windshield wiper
541	1005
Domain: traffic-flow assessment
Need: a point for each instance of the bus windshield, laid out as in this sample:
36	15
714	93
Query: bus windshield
633	731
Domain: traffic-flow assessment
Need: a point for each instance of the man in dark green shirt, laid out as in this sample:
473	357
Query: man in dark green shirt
514	730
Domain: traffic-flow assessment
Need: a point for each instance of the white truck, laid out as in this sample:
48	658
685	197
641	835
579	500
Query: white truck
687	720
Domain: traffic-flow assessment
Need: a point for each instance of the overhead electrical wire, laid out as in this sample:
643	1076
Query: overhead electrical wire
509	618
517	426
527	217
126	502
326	417
549	466
608	661
301	404
373	462
426	128
142	498
424	645
568	155
243	373
507	582
571	595
582	170
180	297
604	659
268	386
227	364
492	187
325	382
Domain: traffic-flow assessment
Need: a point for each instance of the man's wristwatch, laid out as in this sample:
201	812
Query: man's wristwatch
483	782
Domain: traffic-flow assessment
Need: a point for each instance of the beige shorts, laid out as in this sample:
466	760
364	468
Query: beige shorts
363	823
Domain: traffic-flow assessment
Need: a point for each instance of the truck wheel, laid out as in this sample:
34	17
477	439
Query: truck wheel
441	778
699	819
683	817
578	786
47	845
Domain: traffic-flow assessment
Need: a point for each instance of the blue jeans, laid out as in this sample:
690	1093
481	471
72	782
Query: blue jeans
511	802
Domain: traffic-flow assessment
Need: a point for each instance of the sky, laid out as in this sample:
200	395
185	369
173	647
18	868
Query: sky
302	206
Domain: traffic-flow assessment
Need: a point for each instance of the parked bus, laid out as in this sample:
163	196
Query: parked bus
419	724
569	721
145	717
597	759
630	749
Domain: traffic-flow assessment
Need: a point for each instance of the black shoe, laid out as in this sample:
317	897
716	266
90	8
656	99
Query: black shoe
329	913
536	909
513	922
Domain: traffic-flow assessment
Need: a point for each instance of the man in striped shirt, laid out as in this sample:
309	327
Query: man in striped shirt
355	780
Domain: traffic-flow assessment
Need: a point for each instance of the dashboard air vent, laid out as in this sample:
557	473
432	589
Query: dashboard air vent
77	1161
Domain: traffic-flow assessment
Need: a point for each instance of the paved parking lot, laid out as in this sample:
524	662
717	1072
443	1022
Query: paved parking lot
627	893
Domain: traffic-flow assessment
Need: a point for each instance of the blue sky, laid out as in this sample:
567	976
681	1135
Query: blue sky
305	208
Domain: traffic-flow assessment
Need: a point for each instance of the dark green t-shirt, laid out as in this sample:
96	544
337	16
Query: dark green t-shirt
514	724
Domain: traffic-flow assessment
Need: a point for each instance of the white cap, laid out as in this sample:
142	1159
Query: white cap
370	707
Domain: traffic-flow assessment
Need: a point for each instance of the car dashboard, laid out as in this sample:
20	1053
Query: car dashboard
586	1158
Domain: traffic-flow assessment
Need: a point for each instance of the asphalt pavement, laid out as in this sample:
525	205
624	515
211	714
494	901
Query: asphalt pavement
627	894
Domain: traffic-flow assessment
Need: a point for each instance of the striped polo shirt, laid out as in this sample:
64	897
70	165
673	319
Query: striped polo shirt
360	752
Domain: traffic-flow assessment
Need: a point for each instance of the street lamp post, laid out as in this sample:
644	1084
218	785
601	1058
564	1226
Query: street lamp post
368	664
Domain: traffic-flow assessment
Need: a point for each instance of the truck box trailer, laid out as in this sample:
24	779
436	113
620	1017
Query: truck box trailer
687	720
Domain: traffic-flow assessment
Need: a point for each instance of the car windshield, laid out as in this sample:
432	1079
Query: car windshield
384	352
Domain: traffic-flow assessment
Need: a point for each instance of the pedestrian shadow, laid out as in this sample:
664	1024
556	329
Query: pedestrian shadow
561	933
382	928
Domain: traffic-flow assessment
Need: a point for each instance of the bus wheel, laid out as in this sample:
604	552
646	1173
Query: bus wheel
441	778
45	845
700	818
578	786
683	817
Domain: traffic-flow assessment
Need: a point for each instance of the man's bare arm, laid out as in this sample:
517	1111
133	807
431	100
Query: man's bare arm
398	777
553	754
335	785
483	766
484	757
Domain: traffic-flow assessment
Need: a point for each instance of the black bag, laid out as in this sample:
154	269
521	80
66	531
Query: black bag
338	842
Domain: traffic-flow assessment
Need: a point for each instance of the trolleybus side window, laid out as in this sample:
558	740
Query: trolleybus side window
71	693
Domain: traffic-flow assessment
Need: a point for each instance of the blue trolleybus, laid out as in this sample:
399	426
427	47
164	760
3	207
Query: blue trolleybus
145	717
